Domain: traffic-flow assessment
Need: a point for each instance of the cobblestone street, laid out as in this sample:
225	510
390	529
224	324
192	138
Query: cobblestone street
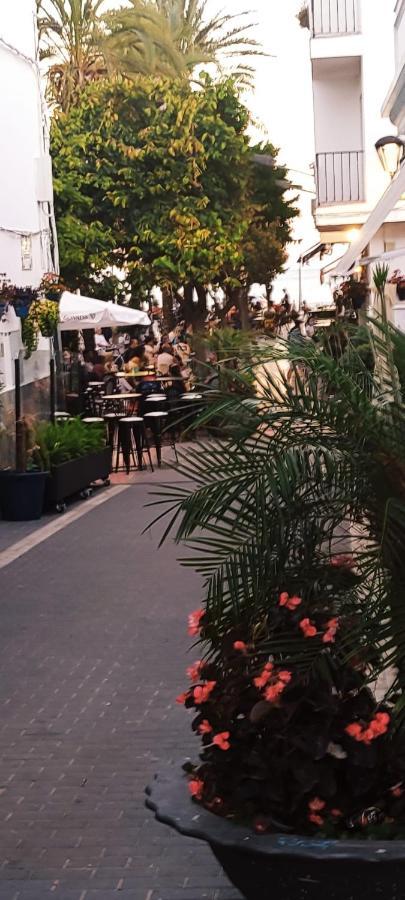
93	648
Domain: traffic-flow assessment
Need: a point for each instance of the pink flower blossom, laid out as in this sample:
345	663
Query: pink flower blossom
196	787
194	622
222	740
308	628
205	727
194	671
202	692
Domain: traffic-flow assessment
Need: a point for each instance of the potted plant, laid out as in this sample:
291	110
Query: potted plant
42	318
399	280
299	692
75	455
22	489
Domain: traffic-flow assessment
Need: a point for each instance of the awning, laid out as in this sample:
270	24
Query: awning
374	222
77	312
317	250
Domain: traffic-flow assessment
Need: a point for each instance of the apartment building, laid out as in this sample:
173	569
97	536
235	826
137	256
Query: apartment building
353	62
27	235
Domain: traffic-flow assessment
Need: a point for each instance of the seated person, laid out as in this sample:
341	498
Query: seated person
175	388
165	359
136	361
100	342
135	350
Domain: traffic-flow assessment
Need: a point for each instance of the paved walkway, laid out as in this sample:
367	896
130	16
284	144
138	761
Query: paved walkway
92	654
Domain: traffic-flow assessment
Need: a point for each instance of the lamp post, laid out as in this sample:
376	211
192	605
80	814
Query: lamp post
391	152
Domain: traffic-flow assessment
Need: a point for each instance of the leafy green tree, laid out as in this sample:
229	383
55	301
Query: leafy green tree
70	38
172	37
157	179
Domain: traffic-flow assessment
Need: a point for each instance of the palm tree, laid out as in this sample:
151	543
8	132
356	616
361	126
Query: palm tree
175	36
70	38
301	476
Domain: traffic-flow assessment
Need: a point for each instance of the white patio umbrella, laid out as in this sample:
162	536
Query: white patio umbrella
77	312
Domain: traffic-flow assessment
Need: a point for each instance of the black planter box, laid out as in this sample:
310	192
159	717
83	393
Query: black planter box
283	866
22	495
401	291
77	475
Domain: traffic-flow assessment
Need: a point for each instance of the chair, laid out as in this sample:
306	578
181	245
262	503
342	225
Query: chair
159	424
112	422
132	437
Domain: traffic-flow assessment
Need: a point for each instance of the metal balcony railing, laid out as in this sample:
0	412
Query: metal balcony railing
334	17
340	177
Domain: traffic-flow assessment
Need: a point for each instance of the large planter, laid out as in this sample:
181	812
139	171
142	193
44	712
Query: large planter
283	866
77	475
22	495
401	291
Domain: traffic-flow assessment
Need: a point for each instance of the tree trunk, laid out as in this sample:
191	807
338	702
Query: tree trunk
168	309
194	313
239	299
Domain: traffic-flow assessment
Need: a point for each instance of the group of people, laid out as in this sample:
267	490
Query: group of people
168	357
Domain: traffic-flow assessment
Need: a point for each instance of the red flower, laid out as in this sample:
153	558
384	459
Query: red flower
183	697
315	819
205	727
194	671
241	646
263	679
330	634
196	787
274	692
336	813
354	731
285	677
194	622
222	740
202	692
316	805
397	790
377	727
291	603
343	562
308	628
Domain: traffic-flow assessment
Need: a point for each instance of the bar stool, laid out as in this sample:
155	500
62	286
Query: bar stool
132	436
112	421
158	422
189	406
93	420
155	403
60	416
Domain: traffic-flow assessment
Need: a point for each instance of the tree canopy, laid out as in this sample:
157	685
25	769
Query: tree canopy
158	179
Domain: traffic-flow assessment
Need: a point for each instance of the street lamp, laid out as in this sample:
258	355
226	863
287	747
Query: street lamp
391	152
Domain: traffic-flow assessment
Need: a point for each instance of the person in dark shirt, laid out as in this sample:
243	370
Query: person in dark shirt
134	349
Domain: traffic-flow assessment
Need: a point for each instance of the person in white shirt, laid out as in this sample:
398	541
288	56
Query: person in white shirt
165	359
100	342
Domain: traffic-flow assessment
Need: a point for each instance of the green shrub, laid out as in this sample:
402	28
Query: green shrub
59	443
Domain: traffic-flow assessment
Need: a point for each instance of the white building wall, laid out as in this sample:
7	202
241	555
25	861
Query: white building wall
338	91
24	208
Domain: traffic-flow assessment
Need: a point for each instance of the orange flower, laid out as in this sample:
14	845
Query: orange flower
202	692
343	562
330	634
290	603
285	677
316	805
205	727
315	819
183	697
196	787
354	731
222	740
263	679
194	671
397	790
308	628
194	622
274	692
241	646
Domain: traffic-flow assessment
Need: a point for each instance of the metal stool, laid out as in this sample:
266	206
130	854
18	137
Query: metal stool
158	422
93	420
60	416
132	436
189	406
155	403
112	421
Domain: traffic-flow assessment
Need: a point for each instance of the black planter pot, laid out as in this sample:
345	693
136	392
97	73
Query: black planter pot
22	495
281	866
76	475
400	292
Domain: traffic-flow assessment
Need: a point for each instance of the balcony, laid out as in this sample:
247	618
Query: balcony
340	177
331	18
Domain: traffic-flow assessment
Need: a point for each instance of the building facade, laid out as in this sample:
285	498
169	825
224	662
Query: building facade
28	244
353	62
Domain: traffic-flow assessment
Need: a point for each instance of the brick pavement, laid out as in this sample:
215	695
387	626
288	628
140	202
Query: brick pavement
92	655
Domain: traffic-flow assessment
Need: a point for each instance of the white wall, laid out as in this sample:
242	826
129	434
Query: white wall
400	37
23	141
337	106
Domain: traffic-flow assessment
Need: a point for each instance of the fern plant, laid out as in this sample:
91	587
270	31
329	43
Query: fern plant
296	522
